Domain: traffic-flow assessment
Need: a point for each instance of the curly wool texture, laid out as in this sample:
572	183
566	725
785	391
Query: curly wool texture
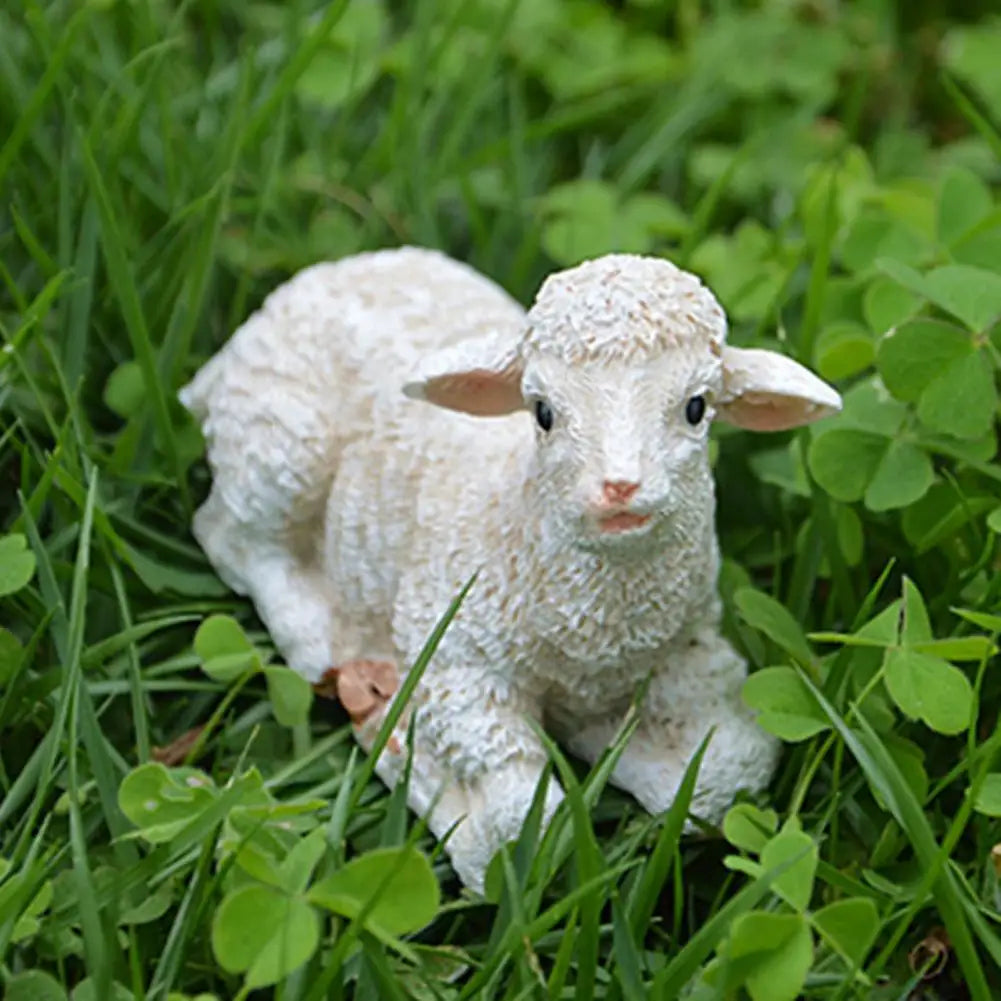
579	315
352	515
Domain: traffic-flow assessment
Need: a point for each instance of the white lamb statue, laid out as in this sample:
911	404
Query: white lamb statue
565	460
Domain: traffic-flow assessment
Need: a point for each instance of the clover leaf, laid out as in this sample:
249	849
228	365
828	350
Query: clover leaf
865	455
409	897
850	926
939	367
17	563
264	934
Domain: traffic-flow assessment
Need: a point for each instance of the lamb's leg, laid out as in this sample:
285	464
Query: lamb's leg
699	691
293	600
364	688
476	764
268	406
295	604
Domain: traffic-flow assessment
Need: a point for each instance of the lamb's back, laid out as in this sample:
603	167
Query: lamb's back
321	363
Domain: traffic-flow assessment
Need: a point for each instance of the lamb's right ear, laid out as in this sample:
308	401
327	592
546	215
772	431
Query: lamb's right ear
480	376
767	391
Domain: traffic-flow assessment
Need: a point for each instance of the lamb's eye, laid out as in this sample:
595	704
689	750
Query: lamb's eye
544	415
695	409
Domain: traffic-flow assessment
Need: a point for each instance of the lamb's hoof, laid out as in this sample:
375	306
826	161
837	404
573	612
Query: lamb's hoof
363	686
326	687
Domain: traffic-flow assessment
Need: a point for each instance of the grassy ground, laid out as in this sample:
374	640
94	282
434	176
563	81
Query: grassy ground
831	169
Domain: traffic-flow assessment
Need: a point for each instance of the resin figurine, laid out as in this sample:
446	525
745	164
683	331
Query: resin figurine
560	453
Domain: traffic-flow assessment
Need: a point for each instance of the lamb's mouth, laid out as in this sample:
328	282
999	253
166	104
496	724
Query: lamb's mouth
624	521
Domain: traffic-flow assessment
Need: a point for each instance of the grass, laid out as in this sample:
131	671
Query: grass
162	166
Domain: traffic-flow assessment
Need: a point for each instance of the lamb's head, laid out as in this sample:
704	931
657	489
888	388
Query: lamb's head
622	365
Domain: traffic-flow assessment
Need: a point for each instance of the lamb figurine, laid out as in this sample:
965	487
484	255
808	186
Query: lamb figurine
352	516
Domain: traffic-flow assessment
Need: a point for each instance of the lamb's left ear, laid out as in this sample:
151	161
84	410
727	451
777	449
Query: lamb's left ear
479	376
766	391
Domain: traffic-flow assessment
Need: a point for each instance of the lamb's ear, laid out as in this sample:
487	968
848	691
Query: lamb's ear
766	391
480	376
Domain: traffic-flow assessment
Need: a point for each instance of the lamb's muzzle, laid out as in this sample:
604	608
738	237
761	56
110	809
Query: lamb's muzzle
352	515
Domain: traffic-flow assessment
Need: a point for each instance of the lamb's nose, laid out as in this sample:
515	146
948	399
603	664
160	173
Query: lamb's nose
618	491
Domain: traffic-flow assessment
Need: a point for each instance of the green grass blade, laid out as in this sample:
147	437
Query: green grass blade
30	114
121	277
628	965
642	899
404	694
94	934
980	122
881	770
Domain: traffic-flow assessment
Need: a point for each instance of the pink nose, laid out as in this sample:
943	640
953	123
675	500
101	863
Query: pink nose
618	491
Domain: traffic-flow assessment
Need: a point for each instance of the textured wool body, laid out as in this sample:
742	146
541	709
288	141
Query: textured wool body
352	515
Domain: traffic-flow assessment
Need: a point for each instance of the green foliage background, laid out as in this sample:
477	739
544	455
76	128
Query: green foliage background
831	169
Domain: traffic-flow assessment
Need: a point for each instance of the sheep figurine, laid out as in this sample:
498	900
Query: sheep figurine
352	516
